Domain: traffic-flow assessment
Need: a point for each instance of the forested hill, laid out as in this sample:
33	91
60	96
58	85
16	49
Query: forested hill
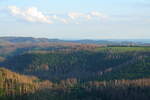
99	64
92	73
14	84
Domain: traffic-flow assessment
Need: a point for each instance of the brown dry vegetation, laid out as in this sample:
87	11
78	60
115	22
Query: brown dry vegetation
7	48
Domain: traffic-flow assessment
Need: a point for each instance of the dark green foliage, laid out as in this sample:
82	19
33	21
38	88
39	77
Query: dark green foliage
84	65
140	69
96	74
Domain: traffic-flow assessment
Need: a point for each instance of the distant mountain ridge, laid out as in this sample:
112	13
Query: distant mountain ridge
26	39
82	41
36	40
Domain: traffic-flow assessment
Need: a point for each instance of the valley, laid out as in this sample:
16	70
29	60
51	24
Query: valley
73	71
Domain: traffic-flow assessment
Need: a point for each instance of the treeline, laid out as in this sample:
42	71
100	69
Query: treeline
112	90
13	84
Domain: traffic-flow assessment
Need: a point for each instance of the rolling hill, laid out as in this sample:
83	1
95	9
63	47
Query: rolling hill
85	65
99	73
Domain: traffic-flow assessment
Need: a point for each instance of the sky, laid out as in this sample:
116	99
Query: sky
76	19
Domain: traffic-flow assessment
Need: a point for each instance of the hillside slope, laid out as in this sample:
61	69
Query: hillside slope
12	83
83	64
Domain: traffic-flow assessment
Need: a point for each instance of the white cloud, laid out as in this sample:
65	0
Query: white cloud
57	18
76	15
98	14
87	16
31	14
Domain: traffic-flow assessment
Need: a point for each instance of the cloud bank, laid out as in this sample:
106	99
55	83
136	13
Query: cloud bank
32	14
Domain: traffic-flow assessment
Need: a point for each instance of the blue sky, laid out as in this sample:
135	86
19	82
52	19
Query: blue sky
76	19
